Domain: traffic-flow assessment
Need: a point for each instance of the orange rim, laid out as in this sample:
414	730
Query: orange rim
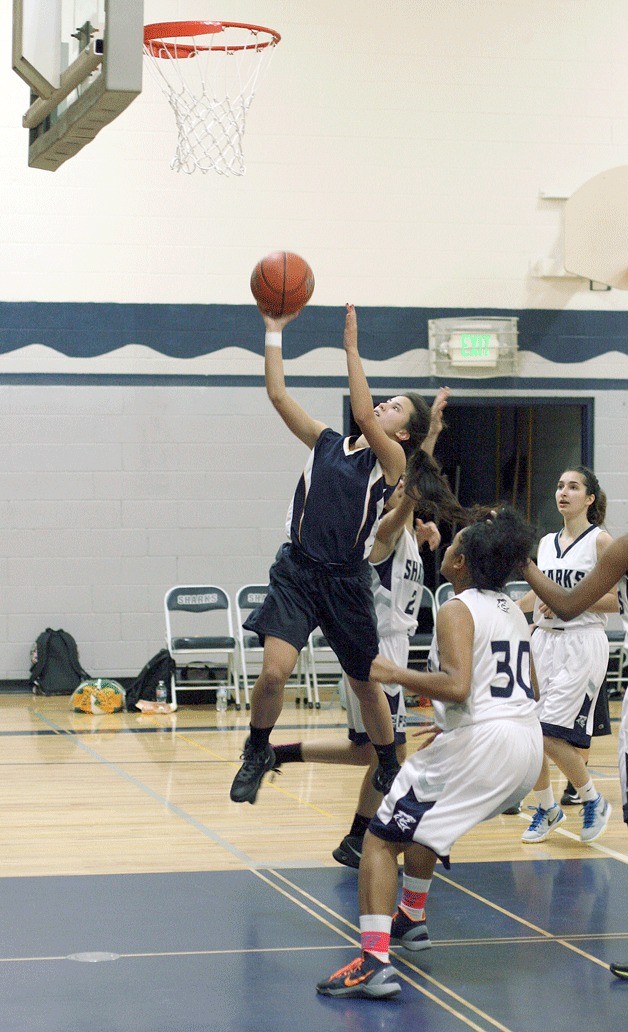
155	34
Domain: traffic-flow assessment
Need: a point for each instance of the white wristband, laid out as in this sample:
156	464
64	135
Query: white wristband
273	339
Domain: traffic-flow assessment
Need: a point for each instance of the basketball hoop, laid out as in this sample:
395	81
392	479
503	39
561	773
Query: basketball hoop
209	86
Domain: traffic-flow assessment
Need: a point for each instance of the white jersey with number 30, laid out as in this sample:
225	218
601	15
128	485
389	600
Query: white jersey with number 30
500	685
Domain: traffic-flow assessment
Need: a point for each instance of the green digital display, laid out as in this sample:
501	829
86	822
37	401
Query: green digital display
475	345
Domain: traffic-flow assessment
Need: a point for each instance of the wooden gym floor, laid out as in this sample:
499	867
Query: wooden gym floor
138	897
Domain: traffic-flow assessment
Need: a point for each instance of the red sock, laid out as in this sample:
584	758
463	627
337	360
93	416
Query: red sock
375	935
414	896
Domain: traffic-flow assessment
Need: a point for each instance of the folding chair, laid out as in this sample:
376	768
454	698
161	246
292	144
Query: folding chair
250	648
421	641
516	589
443	592
318	653
617	642
194	614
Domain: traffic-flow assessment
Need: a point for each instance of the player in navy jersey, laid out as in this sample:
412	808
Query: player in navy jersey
487	756
610	569
321	576
570	657
397	579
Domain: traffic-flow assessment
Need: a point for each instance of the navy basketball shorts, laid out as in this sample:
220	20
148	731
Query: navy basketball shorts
304	594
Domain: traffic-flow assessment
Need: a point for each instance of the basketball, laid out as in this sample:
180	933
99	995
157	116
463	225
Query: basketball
282	283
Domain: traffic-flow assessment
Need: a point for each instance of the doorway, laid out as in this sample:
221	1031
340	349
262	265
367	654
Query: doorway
509	450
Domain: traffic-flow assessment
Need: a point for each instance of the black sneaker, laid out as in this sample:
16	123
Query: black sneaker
570	797
247	781
620	970
364	976
511	811
413	935
383	778
349	851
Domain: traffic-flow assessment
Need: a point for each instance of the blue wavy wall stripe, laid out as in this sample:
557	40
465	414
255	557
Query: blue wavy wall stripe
84	330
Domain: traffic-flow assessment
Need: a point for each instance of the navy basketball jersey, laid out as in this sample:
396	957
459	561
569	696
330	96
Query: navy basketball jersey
338	502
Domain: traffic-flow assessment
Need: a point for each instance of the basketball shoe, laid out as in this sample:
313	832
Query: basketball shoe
570	797
596	814
247	781
413	935
364	976
543	823
383	778
620	970
349	851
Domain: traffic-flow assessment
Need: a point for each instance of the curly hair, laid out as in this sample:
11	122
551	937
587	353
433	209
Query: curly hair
496	543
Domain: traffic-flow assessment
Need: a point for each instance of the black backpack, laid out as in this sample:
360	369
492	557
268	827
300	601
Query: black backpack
55	668
159	668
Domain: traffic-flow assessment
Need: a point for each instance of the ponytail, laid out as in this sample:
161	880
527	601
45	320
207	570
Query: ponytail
430	491
596	513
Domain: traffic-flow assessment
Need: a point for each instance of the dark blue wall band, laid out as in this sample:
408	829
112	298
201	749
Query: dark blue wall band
85	330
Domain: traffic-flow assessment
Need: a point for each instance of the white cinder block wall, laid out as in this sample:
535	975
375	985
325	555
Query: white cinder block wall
402	149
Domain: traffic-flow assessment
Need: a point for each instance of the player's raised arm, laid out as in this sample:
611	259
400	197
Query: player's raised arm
389	452
294	416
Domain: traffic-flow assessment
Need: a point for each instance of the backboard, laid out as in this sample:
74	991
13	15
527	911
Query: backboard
596	229
83	62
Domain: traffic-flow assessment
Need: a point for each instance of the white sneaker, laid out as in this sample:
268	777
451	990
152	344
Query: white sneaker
596	814
543	822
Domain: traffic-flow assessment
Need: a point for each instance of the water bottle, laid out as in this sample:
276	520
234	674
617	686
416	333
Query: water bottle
221	700
161	695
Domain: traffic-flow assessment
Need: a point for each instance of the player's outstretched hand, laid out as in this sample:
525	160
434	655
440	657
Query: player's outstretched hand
277	323
428	732
384	670
350	339
427	534
436	411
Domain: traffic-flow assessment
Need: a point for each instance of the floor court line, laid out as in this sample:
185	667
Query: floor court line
269	783
521	920
398	958
176	810
597	846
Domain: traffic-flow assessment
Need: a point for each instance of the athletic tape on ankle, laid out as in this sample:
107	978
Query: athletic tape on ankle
273	339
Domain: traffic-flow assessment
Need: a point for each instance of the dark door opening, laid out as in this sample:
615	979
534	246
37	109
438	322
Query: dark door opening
508	450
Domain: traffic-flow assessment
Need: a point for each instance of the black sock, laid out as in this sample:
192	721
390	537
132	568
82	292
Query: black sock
387	756
359	826
259	737
289	753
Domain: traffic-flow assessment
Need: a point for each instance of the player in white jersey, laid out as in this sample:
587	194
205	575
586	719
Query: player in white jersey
611	569
488	754
570	657
396	579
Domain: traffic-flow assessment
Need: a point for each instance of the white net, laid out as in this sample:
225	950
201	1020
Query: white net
209	78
